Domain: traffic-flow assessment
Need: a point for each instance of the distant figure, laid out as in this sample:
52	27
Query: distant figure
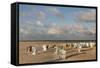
70	45
79	48
75	45
56	50
92	44
33	51
83	44
29	49
53	46
63	54
87	44
44	48
60	52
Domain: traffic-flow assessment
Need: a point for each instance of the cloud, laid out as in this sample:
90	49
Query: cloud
56	30
40	18
40	15
23	31
39	23
34	25
77	27
53	29
91	32
89	16
81	30
88	33
54	11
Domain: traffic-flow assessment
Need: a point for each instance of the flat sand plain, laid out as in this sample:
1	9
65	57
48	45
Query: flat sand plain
50	56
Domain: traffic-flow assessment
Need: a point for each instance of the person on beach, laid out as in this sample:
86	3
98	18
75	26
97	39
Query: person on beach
63	54
44	48
56	50
79	47
33	51
29	49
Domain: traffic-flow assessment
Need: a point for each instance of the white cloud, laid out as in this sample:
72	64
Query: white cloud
54	31
81	30
40	15
89	16
55	12
93	31
23	31
57	30
39	23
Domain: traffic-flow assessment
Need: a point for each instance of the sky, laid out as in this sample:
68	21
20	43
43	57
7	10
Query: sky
38	22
